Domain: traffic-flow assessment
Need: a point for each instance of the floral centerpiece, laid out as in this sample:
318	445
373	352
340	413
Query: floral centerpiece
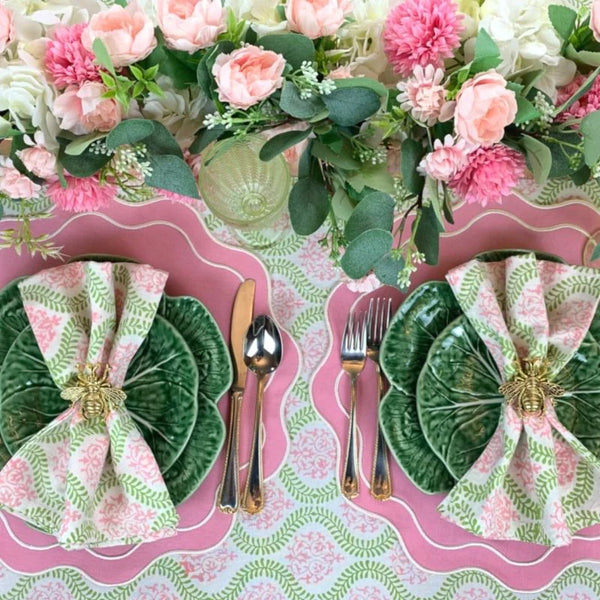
383	111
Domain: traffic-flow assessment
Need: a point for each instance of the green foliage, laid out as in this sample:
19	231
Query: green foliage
590	129
526	111
427	234
336	154
172	173
154	135
596	253
204	75
539	157
412	153
363	252
85	164
173	63
295	48
309	199
487	53
563	19
585	86
351	105
279	143
388	268
206	137
374	211
297	107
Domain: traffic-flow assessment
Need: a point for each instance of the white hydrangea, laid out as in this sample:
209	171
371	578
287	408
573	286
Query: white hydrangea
180	111
527	40
26	97
261	14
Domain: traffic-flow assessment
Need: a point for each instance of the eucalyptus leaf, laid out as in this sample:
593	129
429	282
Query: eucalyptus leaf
85	164
205	137
526	111
351	105
130	131
539	158
364	82
279	143
376	177
364	251
585	86
375	211
181	74
590	128
297	107
295	48
172	173
342	159
412	153
77	146
341	204
308	204
388	268
427	236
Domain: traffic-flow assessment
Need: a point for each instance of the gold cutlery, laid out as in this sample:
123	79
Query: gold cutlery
241	318
378	319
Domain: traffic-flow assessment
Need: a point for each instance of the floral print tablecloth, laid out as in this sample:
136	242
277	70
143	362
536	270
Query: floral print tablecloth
309	542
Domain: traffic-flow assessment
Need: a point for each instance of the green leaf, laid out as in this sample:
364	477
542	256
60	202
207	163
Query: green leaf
351	106
342	159
581	176
161	141
295	48
530	79
596	253
561	165
364	82
485	46
563	20
376	177
279	143
102	55
308	204
77	146
129	131
585	57
412	153
590	129
427	236
526	111
539	158
342	204
206	137
375	211
172	173
136	72
387	269
364	251
484	64
297	107
138	88
164	60
84	164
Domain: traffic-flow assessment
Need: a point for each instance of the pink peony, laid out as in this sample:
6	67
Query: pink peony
14	184
248	75
448	157
189	25
484	107
7	27
316	18
292	155
82	194
595	19
422	95
83	110
421	32
490	174
588	103
127	33
39	161
66	60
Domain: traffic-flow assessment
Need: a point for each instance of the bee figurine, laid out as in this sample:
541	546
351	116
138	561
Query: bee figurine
530	387
92	389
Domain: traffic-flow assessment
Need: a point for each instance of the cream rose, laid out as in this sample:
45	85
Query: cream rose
484	107
316	18
248	75
127	33
189	25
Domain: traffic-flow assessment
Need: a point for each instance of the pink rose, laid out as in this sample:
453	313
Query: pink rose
248	75
595	19
189	25
127	33
16	185
83	110
7	28
39	161
484	107
343	72
292	155
316	18
446	160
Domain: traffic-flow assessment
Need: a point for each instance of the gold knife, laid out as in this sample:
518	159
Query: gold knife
241	317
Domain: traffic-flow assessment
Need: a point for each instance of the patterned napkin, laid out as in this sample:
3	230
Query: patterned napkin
89	478
532	316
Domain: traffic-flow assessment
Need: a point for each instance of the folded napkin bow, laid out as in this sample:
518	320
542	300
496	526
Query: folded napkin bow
89	478
532	316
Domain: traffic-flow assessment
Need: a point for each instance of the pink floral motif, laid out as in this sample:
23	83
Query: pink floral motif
313	453
487	306
276	506
16	483
315	261
120	359
566	461
314	344
121	517
45	326
206	567
141	461
148	278
92	460
404	567
58	458
498	515
368	592
359	521
488	458
70	516
531	307
291	405
475	593
287	301
312	557
50	590
525	471
67	277
265	590
558	524
551	273
155	591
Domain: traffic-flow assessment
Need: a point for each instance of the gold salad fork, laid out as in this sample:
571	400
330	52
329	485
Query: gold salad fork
353	356
378	319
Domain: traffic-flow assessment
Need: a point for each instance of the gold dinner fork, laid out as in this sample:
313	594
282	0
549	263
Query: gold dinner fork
378	319
353	356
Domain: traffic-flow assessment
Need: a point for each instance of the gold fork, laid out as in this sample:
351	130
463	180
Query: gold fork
353	356
378	319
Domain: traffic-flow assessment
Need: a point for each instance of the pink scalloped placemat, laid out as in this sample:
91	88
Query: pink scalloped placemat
433	543
170	237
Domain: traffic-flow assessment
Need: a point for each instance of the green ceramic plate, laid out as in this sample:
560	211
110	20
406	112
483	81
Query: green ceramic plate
459	404
422	316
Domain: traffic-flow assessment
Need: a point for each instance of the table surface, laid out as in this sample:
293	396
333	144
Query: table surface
310	542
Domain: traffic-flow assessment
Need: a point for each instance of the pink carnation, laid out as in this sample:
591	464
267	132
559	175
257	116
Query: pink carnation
588	103
421	32
447	158
490	174
66	60
423	95
82	194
